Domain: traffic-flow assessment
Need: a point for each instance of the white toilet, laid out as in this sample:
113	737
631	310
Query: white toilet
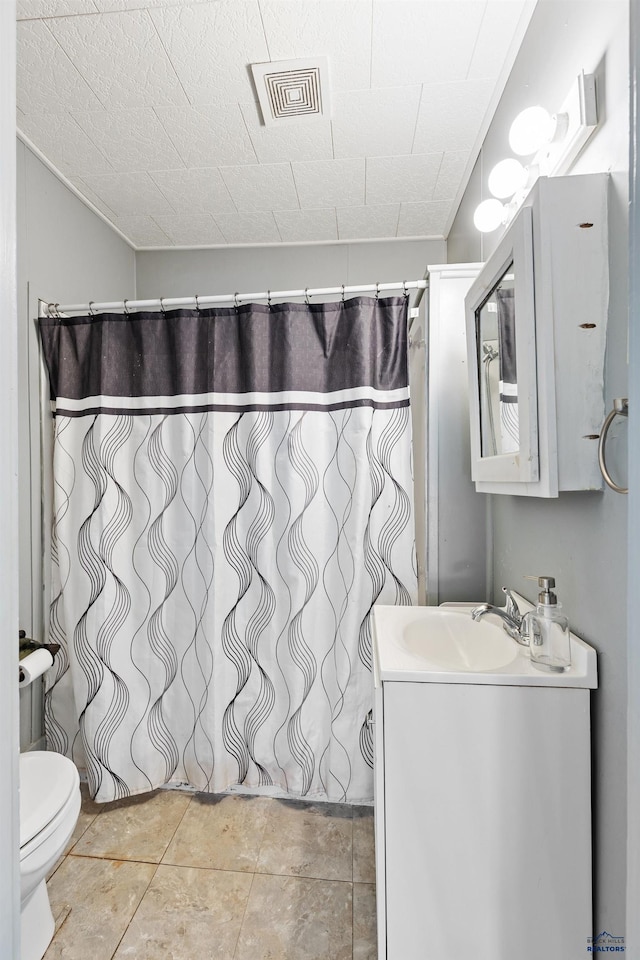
49	808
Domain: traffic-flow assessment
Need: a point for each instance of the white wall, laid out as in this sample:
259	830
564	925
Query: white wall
9	827
578	538
66	254
174	273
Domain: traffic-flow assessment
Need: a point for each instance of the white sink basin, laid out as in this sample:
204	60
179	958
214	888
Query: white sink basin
444	645
453	641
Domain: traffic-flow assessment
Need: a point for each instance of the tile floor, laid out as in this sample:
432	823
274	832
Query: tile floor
180	876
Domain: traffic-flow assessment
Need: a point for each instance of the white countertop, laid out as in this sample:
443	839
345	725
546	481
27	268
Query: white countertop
393	661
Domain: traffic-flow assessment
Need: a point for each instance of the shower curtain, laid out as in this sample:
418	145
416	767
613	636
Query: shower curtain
232	494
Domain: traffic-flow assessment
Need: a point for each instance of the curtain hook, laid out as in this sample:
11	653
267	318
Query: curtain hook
343	292
126	308
307	299
404	288
269	298
197	304
91	310
377	290
236	302
161	306
56	307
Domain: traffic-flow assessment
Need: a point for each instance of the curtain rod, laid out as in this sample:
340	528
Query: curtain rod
167	302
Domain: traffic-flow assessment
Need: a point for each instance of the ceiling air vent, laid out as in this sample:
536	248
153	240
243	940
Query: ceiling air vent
292	89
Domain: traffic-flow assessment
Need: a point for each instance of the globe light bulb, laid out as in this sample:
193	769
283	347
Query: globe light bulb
488	216
530	130
506	178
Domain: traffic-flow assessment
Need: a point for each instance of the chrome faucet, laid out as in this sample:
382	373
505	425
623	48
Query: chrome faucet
512	619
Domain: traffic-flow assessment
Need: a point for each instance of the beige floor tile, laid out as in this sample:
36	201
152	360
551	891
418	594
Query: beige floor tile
138	828
220	832
291	918
364	863
308	840
188	914
88	812
103	896
364	922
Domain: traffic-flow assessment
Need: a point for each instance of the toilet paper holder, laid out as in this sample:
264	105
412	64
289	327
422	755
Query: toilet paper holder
26	644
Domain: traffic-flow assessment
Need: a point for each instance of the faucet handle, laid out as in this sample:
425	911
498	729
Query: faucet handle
511	605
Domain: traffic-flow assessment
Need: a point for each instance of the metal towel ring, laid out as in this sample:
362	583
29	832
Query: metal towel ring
620	409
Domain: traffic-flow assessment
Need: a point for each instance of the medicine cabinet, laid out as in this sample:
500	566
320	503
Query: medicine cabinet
536	321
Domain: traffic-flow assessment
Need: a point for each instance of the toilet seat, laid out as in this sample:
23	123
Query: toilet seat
48	781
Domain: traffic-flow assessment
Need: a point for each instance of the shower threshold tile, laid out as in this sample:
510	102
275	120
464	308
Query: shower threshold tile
137	828
188	913
293	918
100	898
308	840
220	832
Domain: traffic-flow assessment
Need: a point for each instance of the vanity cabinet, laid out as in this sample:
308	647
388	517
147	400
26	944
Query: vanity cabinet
482	817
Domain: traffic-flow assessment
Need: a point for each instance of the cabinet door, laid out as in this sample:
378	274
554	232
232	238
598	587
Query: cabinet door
487	822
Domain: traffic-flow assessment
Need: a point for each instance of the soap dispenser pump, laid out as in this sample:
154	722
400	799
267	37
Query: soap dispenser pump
548	629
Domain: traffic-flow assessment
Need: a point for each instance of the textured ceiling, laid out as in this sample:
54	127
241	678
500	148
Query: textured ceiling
148	108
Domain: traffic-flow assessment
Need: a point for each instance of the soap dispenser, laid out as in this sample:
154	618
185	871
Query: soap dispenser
548	629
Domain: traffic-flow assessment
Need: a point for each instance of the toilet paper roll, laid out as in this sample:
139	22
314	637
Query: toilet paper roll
33	666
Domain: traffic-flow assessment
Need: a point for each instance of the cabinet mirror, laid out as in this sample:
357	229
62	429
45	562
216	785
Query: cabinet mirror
501	353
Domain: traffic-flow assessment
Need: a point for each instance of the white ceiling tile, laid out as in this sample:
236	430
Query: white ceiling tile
494	39
92	197
261	186
249	227
143	231
121	57
330	183
208	136
110	5
62	141
423	42
368	222
314	28
211	45
451	115
191	230
398	179
195	191
131	139
454	165
34	9
129	194
304	140
47	81
373	123
298	226
423	219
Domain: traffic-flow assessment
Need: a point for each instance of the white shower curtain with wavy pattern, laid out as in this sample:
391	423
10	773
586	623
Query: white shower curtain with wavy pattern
233	493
